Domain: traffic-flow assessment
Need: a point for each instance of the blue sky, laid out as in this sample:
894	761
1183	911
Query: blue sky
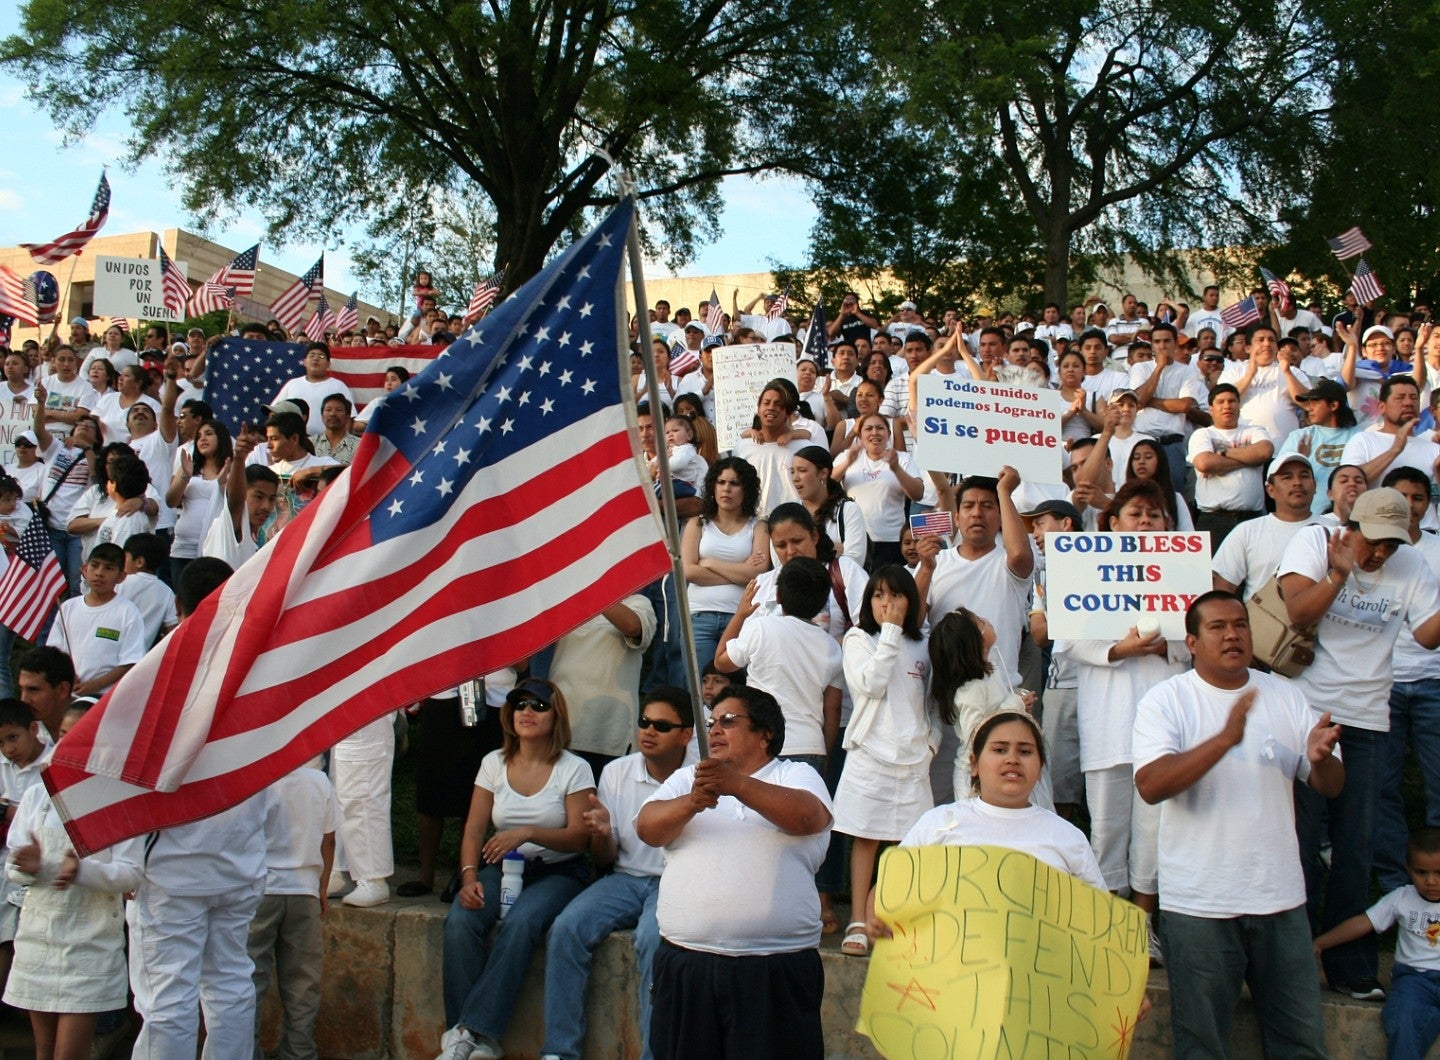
45	185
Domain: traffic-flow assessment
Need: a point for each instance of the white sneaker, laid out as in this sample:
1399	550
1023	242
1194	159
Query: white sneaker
1157	955
487	1048
336	886
368	893
456	1044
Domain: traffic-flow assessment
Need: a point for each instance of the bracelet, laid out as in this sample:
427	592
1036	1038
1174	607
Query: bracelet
1339	584
469	868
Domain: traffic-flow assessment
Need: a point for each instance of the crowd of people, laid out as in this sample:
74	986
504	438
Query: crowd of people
866	681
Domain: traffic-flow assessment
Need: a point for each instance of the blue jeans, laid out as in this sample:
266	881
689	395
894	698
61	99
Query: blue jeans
1208	960
1414	722
1412	1013
67	554
481	980
667	654
1346	892
707	626
616	903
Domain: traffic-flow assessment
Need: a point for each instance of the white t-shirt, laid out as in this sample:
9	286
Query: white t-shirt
114	418
116	529
1227	842
1240	490
544	809
625	786
300	810
158	455
1104	383
848	531
1250	554
153	599
795	661
67	397
1032	830
219	854
1266	402
193	516
987	587
876	489
888	676
221	542
1351	674
1106	693
771	461
98	639
1419	452
1206	318
598	669
733	849
1417	942
314	395
1177	381
1412	662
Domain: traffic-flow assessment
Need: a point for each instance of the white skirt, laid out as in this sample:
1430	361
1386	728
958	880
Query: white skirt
880	800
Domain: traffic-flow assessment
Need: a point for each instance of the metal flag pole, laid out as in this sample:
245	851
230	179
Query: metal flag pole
667	490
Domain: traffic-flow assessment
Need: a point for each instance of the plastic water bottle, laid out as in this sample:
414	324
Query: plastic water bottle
512	880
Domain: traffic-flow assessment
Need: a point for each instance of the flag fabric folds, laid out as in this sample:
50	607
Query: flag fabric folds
14	302
483	297
817	343
1349	243
683	360
714	318
1240	315
778	307
32	582
73	242
244	374
236	279
174	291
1365	283
349	315
290	307
495	502
321	321
1279	290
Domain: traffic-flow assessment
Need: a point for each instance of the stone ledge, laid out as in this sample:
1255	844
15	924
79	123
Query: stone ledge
382	998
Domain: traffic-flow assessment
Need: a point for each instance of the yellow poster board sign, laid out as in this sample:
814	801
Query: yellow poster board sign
996	954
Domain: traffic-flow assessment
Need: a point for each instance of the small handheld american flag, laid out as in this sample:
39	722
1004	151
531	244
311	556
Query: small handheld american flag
778	307
1366	284
1240	315
1349	243
938	523
32	582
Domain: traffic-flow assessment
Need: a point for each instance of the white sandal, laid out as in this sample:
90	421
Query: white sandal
856	942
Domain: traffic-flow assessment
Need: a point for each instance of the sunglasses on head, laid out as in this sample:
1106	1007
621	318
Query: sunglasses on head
539	706
658	724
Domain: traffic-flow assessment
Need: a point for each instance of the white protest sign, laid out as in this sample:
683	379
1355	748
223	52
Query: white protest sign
16	414
974	428
131	287
1100	585
741	372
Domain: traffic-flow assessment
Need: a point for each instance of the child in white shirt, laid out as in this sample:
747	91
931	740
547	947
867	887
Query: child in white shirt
144	555
102	633
686	463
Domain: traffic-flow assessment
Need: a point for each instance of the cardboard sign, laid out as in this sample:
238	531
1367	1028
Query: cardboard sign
972	428
131	287
996	954
1100	585
741	373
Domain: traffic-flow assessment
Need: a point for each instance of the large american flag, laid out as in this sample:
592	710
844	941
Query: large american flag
290	307
243	374
450	548
1279	290
1240	315
14	302
349	316
1349	243
74	242
236	279
483	297
1365	283
32	582
174	291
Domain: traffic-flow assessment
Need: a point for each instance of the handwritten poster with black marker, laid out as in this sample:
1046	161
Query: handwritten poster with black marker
996	954
1099	586
972	428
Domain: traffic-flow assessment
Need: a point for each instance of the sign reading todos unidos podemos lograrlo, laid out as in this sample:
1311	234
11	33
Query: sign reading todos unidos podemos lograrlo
131	287
1099	586
974	428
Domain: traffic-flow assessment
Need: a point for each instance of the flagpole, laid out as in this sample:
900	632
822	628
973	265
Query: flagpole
667	489
65	299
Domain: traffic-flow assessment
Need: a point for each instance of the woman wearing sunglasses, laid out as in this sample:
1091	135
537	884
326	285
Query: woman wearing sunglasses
536	793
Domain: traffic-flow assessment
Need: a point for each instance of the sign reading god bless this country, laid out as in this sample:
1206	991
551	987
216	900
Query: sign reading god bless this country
974	428
1099	586
131	287
741	373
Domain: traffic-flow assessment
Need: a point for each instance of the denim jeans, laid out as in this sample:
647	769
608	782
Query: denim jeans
1412	1013
1414	722
616	903
707	625
67	554
1346	891
480	979
1208	960
667	654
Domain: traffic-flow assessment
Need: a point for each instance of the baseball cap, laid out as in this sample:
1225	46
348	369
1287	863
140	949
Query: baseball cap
1061	509
1382	514
907	305
1378	329
1325	390
1119	392
287	406
696	325
1287	458
529	688
80	322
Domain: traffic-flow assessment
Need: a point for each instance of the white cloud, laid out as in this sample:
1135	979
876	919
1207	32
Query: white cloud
10	200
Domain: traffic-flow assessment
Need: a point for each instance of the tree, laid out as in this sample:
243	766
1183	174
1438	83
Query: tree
1121	126
312	111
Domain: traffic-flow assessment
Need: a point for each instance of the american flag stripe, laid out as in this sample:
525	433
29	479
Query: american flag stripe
1278	288
174	291
1365	284
1241	314
74	242
237	279
1349	243
321	321
714	314
290	307
932	524
778	307
349	314
484	295
684	362
31	583
13	302
450	525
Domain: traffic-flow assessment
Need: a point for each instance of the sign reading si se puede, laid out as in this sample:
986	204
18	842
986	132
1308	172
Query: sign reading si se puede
131	287
741	373
1098	586
974	428
996	954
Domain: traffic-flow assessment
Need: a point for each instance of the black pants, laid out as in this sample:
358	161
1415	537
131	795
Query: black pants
708	1007
1220	522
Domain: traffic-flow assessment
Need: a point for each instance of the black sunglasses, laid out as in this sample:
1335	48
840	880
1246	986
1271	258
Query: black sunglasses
658	724
539	706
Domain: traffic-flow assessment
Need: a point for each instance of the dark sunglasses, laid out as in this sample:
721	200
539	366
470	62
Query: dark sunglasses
658	724
539	706
725	721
